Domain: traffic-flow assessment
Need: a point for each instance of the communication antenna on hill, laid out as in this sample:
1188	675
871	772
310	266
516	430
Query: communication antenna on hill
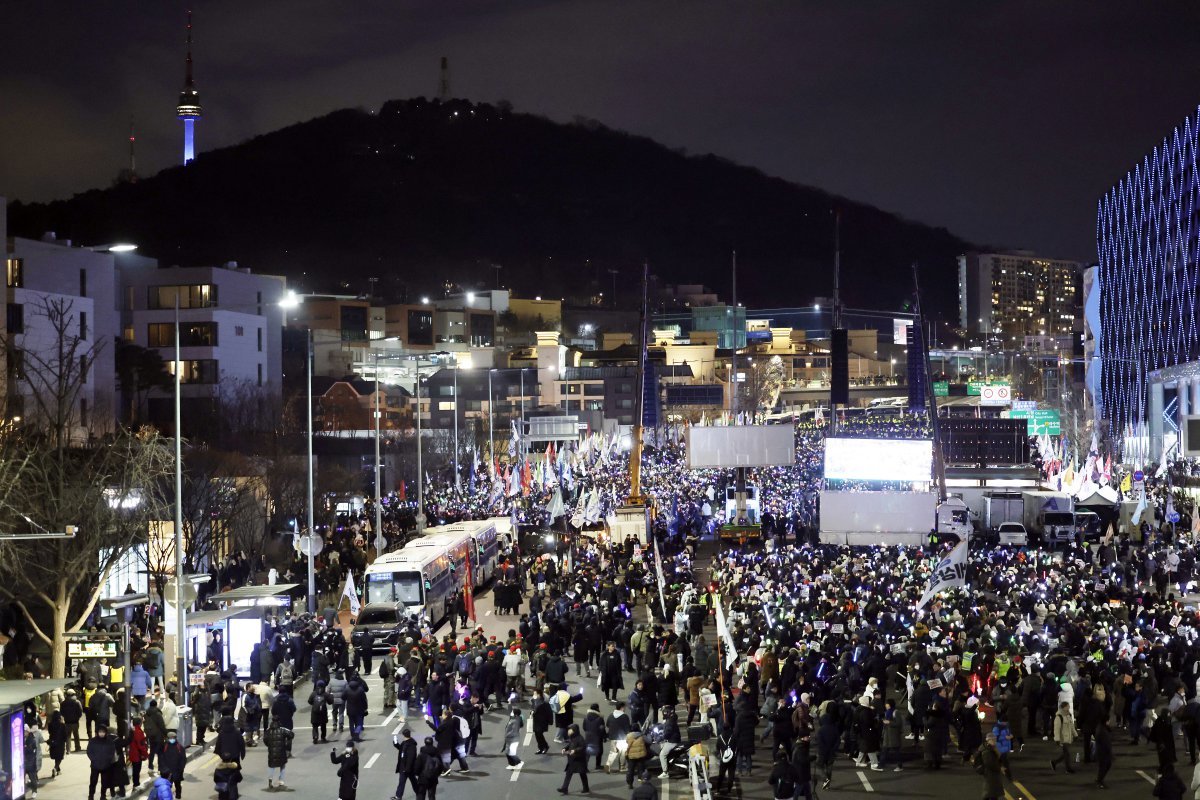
129	173
444	81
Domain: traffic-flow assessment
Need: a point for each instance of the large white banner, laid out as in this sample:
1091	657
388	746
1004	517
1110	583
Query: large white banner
950	572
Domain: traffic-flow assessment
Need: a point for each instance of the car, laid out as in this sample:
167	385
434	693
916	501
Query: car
1013	534
385	621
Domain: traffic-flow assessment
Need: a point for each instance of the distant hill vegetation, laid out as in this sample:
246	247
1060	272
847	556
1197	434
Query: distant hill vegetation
423	193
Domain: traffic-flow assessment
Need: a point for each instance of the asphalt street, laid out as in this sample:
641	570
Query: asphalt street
311	775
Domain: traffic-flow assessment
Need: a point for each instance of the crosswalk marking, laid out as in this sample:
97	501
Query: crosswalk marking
390	717
398	728
371	761
516	773
862	776
1147	777
665	794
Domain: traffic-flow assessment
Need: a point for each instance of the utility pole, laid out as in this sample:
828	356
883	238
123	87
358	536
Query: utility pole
733	373
444	80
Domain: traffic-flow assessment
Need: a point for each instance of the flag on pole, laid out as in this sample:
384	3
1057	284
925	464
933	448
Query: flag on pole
950	572
725	636
661	580
1141	508
350	594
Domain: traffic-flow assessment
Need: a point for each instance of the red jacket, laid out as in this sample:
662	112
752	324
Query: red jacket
138	749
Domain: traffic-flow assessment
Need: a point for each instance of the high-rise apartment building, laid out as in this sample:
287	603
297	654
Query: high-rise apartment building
1011	296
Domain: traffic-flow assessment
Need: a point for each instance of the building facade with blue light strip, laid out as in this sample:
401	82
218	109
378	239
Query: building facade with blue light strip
1147	240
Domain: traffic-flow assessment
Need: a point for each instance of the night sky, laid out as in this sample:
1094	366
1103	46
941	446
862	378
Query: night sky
1003	122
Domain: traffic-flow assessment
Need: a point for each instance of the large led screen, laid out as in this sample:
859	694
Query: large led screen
878	459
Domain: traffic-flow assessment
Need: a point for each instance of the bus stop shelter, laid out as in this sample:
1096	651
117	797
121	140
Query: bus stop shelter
13	697
241	619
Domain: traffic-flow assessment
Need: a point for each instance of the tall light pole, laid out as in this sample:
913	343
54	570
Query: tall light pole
312	531
180	622
522	431
456	423
491	428
420	474
378	466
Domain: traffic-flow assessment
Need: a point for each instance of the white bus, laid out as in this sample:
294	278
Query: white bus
476	539
421	579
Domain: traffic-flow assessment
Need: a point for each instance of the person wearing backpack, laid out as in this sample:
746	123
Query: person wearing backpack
428	771
285	674
337	695
318	715
250	714
153	662
562	703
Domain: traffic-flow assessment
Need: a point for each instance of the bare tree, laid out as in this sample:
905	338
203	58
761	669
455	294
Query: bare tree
56	366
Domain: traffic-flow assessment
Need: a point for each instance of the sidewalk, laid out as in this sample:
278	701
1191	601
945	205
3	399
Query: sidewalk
76	774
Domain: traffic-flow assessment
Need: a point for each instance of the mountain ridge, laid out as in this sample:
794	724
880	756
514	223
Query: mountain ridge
423	193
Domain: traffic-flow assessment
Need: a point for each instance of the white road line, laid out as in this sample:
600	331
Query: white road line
397	729
371	761
665	794
862	776
516	773
487	613
1147	777
528	738
390	717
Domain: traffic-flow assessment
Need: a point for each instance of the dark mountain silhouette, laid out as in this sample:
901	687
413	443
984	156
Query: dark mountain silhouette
423	192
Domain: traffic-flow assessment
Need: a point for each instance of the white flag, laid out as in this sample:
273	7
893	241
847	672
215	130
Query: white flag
661	580
950	572
723	632
349	593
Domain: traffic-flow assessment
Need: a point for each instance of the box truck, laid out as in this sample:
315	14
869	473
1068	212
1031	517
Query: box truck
1049	517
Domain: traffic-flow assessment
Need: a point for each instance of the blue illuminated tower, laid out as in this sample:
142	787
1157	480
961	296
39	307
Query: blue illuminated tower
188	109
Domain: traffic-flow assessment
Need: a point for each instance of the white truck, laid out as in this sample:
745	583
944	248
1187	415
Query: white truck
1049	517
1001	507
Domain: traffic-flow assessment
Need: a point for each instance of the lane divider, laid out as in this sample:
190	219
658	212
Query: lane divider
371	761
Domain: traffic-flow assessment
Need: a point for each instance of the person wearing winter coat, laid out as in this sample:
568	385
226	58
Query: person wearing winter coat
512	737
577	759
406	761
101	752
283	709
644	790
616	728
161	790
428	770
226	778
139	751
937	734
610	672
867	726
827	747
356	705
783	778
1104	753
139	684
1163	739
637	755
56	737
156	730
1169	785
1064	737
100	707
278	740
337	696
72	711
987	763
230	746
33	759
744	725
318	715
202	713
594	732
171	761
970	733
347	762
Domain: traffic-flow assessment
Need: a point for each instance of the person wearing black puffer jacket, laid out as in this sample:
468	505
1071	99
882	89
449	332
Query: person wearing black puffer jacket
230	745
827	747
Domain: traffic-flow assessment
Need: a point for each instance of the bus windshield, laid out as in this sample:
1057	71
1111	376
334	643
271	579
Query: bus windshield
394	587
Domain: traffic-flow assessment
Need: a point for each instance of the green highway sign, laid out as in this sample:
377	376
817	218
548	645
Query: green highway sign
975	387
941	388
1043	420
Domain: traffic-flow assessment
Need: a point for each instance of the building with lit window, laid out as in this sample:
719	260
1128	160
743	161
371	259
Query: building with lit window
1006	297
1147	238
230	327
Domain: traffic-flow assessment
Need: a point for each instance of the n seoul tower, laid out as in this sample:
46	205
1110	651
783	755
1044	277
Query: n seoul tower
188	109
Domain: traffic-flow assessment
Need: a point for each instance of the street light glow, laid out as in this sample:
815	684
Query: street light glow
290	300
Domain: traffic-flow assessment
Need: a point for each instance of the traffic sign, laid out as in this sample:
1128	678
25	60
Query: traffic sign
975	388
941	388
1039	421
995	394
